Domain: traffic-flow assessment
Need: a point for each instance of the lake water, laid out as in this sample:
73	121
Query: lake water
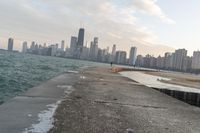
19	72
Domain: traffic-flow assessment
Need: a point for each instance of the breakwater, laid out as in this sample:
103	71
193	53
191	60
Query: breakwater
188	97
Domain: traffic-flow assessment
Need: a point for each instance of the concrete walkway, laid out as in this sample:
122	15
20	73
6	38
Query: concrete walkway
105	102
22	111
102	102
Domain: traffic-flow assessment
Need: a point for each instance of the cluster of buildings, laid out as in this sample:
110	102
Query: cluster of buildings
177	61
78	50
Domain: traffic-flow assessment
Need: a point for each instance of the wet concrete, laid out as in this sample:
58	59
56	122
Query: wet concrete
22	111
105	102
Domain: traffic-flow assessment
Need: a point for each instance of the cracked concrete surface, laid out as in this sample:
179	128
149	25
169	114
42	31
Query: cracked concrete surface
105	102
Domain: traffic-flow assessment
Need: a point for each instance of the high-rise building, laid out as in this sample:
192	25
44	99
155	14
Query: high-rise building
120	57
24	47
32	46
73	45
94	49
132	56
80	42
85	53
139	61
100	55
168	60
113	53
114	50
196	60
63	45
10	44
160	62
178	60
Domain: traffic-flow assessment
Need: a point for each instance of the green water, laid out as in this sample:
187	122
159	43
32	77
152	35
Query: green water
19	72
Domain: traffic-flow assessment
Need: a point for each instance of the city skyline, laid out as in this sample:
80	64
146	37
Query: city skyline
177	60
152	26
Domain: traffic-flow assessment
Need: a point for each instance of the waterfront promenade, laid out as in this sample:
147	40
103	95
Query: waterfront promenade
106	102
98	100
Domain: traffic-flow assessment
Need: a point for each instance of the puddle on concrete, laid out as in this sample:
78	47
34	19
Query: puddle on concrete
82	77
45	120
71	71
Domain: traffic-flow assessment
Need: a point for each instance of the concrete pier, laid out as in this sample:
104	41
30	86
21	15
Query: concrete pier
106	102
22	111
102	101
188	97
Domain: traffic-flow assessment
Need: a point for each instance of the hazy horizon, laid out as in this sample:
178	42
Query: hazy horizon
154	26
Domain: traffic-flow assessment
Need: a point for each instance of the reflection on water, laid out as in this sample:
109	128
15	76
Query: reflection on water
154	81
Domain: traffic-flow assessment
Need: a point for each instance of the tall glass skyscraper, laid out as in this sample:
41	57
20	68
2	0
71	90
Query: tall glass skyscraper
81	37
80	41
10	44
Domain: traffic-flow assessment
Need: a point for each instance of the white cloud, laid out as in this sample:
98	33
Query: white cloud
150	7
53	20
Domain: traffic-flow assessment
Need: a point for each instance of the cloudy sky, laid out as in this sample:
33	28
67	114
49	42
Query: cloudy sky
154	26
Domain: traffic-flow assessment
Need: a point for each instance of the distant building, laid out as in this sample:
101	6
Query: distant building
63	45
73	45
120	57
196	60
114	49
178	60
32	46
85	53
160	62
113	53
139	61
100	55
132	56
146	60
53	50
10	44
24	47
187	64
153	62
80	42
168	60
94	49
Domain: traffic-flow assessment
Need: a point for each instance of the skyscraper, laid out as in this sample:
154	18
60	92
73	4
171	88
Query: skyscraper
113	53
10	44
24	47
62	45
120	57
196	60
179	57
114	50
94	49
80	42
73	45
132	56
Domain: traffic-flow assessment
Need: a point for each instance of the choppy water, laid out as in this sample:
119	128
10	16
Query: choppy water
19	72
